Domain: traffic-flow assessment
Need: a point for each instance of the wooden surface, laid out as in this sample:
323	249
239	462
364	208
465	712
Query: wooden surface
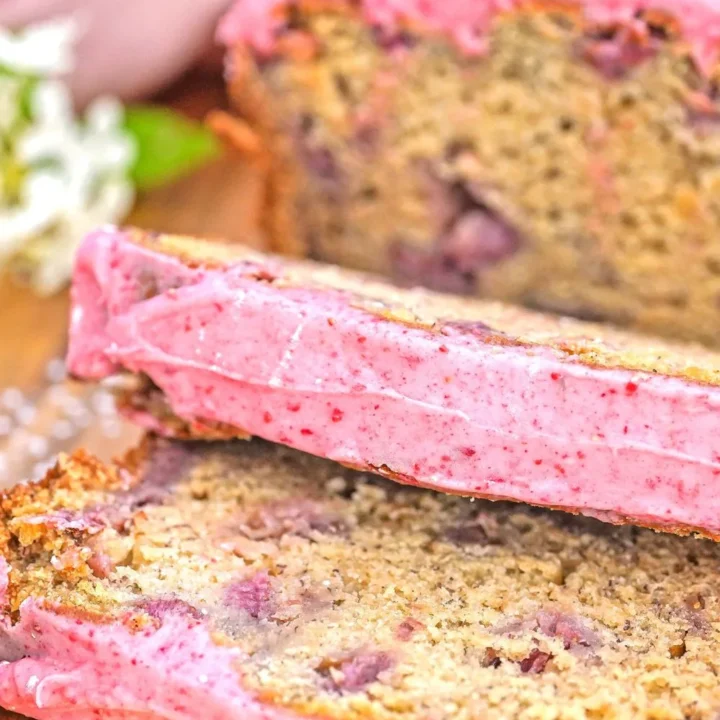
33	330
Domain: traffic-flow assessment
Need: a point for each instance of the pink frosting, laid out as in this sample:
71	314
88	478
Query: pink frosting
256	21
60	667
305	368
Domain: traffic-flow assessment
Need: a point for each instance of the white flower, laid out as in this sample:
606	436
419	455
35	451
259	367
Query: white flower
77	180
40	204
52	255
44	50
87	152
61	177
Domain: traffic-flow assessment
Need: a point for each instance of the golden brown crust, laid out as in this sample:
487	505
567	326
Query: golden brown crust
69	484
259	139
51	530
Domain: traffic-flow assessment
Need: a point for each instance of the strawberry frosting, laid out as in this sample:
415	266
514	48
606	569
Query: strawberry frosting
308	368
257	21
54	666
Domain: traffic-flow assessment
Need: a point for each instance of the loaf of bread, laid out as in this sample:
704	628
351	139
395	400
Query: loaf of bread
562	154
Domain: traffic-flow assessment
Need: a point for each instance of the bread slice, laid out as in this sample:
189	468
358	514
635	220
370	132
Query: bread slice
557	153
469	397
246	581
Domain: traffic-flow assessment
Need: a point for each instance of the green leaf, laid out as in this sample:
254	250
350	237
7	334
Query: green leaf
26	95
169	145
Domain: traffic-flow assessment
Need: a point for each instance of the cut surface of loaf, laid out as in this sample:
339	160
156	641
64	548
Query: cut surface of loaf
470	397
559	154
246	581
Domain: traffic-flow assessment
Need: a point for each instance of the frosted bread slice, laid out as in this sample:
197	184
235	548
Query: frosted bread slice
557	153
246	581
463	396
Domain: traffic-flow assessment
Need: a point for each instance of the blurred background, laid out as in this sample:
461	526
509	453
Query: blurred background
203	191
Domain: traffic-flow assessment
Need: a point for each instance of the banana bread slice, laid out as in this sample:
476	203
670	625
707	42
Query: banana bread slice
562	154
251	582
465	396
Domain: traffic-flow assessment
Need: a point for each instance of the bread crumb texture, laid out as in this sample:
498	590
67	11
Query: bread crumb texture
352	597
572	167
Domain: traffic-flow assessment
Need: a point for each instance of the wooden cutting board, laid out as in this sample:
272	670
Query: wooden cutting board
39	414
